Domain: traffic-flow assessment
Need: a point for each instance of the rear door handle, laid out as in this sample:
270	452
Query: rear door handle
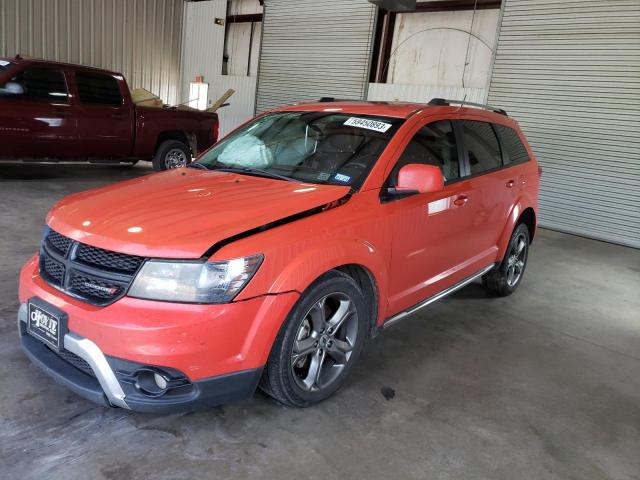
511	183
461	200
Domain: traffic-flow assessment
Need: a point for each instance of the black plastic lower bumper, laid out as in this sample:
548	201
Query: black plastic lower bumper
191	396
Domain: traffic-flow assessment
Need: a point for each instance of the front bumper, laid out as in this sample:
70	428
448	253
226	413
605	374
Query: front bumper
108	381
218	349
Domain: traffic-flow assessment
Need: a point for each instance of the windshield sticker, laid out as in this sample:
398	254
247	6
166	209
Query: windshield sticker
342	178
368	124
323	176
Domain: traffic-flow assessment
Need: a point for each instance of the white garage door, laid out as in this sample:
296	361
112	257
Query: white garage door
569	72
313	49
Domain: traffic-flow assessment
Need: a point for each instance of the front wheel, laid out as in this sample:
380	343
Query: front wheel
171	154
318	344
505	278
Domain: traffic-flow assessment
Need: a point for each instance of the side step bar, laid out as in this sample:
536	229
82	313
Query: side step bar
399	316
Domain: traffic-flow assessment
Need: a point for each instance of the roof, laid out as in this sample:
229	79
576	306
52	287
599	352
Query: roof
18	59
387	109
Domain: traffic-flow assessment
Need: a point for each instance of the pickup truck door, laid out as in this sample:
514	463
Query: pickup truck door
105	115
36	116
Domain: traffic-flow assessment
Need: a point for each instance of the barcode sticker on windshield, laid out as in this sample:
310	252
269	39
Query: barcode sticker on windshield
368	124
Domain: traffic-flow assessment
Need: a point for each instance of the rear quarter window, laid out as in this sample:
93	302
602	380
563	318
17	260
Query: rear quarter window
482	146
514	148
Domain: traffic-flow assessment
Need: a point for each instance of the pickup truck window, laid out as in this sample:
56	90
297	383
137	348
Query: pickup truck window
97	88
315	147
37	84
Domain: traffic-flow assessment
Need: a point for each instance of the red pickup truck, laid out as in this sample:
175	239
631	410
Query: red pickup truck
59	111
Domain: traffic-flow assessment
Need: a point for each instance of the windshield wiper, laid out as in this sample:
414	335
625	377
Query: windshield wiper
199	166
255	171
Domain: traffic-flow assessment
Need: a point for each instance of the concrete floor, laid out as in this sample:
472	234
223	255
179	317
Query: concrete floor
544	384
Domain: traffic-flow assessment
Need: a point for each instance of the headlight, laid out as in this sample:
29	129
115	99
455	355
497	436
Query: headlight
194	282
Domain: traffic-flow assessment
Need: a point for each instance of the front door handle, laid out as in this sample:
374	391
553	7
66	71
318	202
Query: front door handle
510	183
461	200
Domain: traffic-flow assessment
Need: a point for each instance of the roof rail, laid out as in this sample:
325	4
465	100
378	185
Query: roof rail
443	101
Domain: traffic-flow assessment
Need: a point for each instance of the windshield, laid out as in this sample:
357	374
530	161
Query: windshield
314	147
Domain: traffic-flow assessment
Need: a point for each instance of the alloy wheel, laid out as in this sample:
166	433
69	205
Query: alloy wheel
516	260
324	342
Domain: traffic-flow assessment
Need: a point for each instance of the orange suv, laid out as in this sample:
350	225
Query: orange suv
273	258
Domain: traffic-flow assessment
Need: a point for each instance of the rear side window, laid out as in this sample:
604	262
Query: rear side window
482	145
434	144
98	88
513	146
38	84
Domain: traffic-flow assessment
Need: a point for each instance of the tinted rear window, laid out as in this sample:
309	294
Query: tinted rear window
98	89
513	146
482	145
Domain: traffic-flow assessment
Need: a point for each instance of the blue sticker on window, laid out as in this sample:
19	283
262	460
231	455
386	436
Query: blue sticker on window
342	178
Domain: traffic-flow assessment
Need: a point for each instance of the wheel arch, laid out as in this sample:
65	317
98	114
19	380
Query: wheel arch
179	135
522	212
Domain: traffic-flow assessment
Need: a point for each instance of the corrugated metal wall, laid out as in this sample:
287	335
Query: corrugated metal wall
569	72
312	49
424	93
140	38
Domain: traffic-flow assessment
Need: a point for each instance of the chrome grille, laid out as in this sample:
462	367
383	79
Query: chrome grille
92	274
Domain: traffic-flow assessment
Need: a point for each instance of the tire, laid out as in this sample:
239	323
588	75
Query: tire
505	279
306	340
171	154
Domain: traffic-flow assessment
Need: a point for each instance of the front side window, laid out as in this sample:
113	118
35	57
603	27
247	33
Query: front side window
41	84
98	88
482	146
434	144
513	146
315	147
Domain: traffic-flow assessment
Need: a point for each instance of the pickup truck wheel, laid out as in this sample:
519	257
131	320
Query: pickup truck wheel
505	278
171	154
318	344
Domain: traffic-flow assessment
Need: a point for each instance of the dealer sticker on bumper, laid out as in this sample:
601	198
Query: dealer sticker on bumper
45	324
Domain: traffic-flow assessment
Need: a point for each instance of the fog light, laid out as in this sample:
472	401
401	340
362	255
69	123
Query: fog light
161	382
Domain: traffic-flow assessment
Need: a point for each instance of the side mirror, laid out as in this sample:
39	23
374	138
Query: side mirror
420	178
11	88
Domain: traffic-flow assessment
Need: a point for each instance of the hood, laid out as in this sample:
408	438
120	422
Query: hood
181	213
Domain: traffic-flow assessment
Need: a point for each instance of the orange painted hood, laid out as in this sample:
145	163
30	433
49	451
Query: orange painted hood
181	213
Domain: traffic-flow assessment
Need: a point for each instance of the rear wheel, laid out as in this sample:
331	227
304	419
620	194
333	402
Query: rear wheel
318	343
504	279
171	154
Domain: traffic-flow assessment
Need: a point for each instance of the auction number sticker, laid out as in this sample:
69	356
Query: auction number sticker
368	124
